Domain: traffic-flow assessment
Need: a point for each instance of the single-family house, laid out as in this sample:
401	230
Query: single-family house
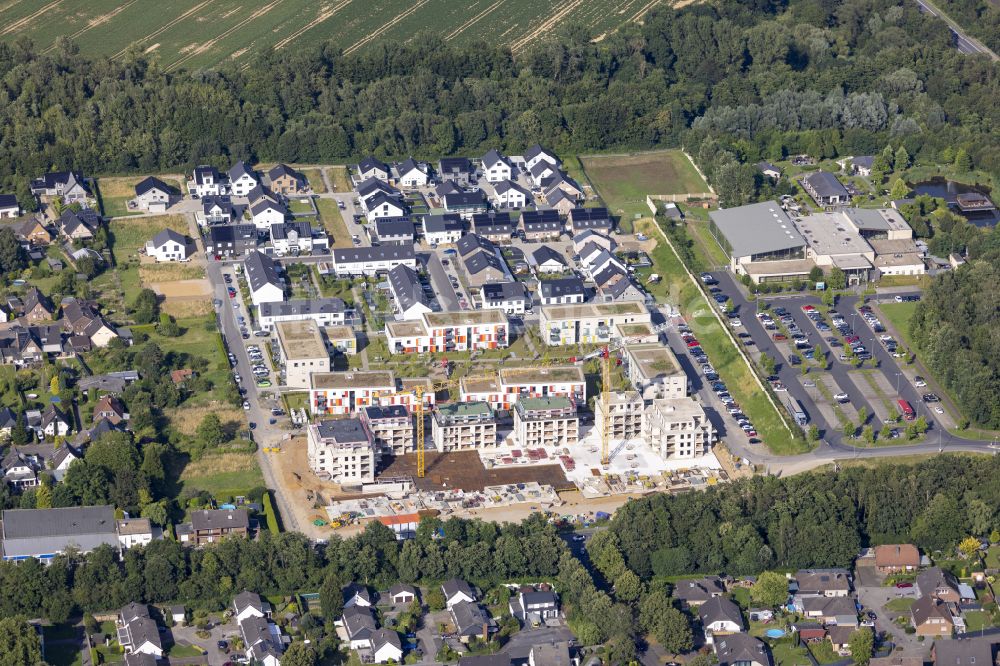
558	200
262	641
828	610
696	591
720	617
496	167
508	194
540	171
443	229
152	194
465	204
894	558
408	293
230	240
535	606
137	631
371	167
265	213
394	231
541	225
292	238
264	278
69	185
359	625
560	180
862	165
134	532
742	650
840	637
207	181
457	170
822	582
111	408
769	170
825	189
511	297
590	237
589	219
457	591
402	594
495	226
381	204
32	230
551	654
214	525
261	193
386	647
54	423
216	210
168	245
471	619
940	584
614	285
547	260
9	207
37	306
356	594
562	291
446	187
78	225
248	604
286	180
412	174
931	617
537	154
242	179
19	469
963	652
483	266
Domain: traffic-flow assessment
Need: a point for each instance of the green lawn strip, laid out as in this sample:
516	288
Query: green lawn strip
223	484
993	557
900	605
295	401
786	654
823	652
300	205
182	651
976	621
339	178
709	246
315	178
333	222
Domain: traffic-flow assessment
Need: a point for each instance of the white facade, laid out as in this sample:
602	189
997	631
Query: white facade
170	250
504	389
155	200
267	293
387	652
372	261
496	170
677	428
510	195
266	215
588	322
341	462
448	331
386	207
413	178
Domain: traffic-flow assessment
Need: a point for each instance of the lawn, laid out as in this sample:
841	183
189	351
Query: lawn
331	287
223	474
623	181
333	222
115	192
676	288
786	654
976	621
61	654
824	653
315	178
339	178
182	651
900	605
899	314
301	206
993	557
705	242
128	237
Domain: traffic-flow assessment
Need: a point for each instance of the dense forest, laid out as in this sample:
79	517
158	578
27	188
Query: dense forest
764	77
957	328
818	519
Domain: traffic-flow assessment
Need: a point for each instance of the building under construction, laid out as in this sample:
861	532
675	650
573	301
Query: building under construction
391	427
623	413
677	428
342	451
546	422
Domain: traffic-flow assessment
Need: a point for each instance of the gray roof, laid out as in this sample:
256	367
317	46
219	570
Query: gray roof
964	652
359	622
822	580
455	165
867	219
168	236
343	431
406	288
557	195
741	649
408	165
207	519
503	291
865	161
232	233
383	637
470	618
279	170
507	185
376	413
546	253
464	200
379	198
469	243
370	162
248	599
303	306
372	185
393	227
481	260
935	578
400	588
825	184
261	271
241	169
440	223
456	585
151	183
540	597
143	630
588	218
698	590
139	659
33	532
381	253
570	286
493	222
494	157
540	167
355	589
757	228
767	166
719	609
265	204
535	151
541	220
281	231
132	611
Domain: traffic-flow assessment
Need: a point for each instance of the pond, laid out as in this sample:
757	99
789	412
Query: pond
949	190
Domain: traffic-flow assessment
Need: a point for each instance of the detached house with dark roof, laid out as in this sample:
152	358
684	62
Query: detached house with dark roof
286	180
137	632
496	167
266	213
443	229
511	297
720	617
560	201
563	291
231	240
547	260
458	170
465	204
537	154
264	278
412	174
152	194
696	591
862	165
242	179
508	194
207	181
9	207
456	591
213	525
394	231
69	185
742	650
168	245
408	293
79	225
371	167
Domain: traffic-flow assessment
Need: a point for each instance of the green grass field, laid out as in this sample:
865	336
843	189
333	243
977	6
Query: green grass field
623	181
333	222
115	193
899	314
192	34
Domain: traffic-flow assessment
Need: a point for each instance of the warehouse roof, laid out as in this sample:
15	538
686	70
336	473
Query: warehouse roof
757	229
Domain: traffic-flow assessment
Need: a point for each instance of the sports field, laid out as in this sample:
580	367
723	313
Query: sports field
201	33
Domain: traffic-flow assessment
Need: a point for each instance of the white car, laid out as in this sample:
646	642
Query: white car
246	405
938	409
919	382
735	323
841	397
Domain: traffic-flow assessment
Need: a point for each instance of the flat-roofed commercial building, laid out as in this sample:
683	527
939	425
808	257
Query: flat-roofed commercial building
302	351
546	422
898	257
833	242
878	223
448	331
339	393
343	451
45	533
392	428
624	414
654	371
677	428
589	322
509	385
761	235
464	425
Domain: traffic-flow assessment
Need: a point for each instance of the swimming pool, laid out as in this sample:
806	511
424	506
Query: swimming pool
774	633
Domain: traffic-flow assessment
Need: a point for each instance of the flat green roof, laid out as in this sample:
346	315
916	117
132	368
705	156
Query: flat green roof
551	402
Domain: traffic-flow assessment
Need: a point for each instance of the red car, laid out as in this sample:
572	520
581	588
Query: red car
692	343
851	339
778	337
904	586
808	308
751	433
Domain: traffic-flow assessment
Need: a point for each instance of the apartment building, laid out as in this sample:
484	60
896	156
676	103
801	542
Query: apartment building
302	351
448	331
654	371
340	393
677	428
509	385
624	413
391	427
214	525
323	311
341	339
589	322
342	451
355	261
546	422
464	425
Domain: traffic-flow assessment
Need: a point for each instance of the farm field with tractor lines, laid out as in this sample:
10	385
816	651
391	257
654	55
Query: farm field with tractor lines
193	34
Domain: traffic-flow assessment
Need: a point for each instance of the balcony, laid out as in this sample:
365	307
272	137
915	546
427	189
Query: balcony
603	331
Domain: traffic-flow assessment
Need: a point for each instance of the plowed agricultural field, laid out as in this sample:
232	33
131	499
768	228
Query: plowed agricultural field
192	34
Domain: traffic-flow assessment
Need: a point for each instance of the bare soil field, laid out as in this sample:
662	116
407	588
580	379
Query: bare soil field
187	418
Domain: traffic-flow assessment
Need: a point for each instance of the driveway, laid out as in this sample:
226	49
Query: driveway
873	596
188	634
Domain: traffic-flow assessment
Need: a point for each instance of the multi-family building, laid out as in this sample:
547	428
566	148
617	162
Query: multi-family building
214	525
448	331
301	351
589	322
654	371
408	293
323	311
550	421
511	297
562	291
391	427
677	428
340	393
229	240
464	425
623	413
341	339
354	261
508	385
442	229
343	451
264	278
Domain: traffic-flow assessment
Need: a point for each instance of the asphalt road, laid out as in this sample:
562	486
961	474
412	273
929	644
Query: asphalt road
439	280
963	42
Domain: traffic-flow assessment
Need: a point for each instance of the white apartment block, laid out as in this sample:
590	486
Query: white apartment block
391	427
343	451
677	428
509	385
341	393
448	331
464	425
589	322
654	371
546	422
323	311
341	339
624	413
354	261
302	350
